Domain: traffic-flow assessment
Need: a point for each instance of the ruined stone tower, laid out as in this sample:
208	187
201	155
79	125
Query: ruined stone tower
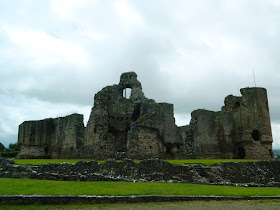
252	135
240	130
131	125
134	127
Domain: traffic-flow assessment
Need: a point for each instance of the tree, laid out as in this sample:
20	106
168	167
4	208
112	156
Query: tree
14	146
2	147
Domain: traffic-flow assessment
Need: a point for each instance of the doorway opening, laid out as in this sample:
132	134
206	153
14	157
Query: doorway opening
241	152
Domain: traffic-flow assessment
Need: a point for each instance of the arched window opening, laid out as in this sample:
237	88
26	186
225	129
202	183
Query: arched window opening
256	135
127	93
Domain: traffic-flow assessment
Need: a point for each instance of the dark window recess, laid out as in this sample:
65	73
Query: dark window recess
169	149
120	139
256	135
136	112
241	152
237	104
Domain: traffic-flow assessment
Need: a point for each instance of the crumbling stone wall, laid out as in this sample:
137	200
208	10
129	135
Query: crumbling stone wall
133	126
262	173
52	138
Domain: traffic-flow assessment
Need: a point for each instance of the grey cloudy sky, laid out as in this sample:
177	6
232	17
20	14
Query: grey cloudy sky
56	54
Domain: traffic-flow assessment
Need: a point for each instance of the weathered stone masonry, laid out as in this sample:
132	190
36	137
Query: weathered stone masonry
122	126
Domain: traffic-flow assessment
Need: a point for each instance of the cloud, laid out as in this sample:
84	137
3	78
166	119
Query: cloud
59	53
276	135
43	49
17	108
127	13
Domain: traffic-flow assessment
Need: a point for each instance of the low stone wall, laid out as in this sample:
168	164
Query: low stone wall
261	173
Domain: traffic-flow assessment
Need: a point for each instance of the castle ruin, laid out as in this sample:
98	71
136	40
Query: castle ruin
138	128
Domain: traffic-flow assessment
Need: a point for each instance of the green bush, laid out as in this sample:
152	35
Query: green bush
9	154
14	147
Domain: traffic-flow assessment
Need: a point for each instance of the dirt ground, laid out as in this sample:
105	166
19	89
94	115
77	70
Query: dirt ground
254	205
209	205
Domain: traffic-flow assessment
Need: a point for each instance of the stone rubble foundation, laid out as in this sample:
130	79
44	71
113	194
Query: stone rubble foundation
258	174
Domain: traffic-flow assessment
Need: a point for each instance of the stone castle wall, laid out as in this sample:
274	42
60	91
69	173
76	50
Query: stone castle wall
122	126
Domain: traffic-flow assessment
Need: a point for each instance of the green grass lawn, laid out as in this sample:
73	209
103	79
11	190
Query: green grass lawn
46	187
207	162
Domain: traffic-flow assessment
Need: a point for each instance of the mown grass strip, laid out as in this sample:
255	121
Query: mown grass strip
47	187
207	162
